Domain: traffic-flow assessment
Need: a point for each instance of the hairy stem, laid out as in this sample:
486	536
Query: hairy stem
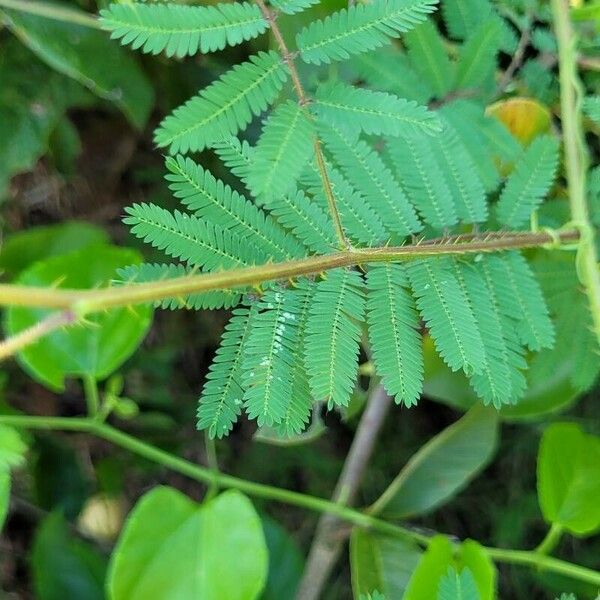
259	490
52	11
576	160
327	543
84	302
32	334
304	100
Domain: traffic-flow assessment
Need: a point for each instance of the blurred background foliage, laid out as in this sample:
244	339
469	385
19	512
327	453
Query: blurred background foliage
76	116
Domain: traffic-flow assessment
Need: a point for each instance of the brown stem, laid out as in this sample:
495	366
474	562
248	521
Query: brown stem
516	62
329	537
303	100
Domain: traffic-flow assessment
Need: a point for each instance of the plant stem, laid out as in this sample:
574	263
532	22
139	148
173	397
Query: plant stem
576	161
52	11
327	543
84	302
52	322
303	100
90	387
259	490
551	540
213	464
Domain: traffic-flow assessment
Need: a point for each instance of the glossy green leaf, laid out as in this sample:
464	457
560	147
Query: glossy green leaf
89	57
380	562
12	447
96	349
286	562
22	249
443	466
569	478
441	556
214	551
63	566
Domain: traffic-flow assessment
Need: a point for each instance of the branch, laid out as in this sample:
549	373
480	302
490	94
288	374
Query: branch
304	101
327	543
576	160
52	322
83	302
52	11
259	490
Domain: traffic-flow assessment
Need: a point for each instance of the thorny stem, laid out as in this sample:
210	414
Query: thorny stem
327	543
259	490
576	160
84	302
303	100
52	11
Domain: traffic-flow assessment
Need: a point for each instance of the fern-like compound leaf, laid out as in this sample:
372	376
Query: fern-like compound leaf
147	272
521	298
394	333
429	58
529	183
221	400
291	7
458	586
283	150
191	240
372	112
368	174
591	107
461	176
270	356
224	107
235	155
446	311
182	30
333	336
501	357
212	200
300	401
423	180
388	69
360	28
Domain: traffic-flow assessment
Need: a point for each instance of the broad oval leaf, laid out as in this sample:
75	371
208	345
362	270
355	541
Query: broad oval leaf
442	467
213	551
380	562
569	479
94	350
525	118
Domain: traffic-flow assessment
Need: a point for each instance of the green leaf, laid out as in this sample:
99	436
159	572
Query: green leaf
182	30
23	248
477	58
284	148
442	467
529	183
12	448
360	28
286	562
458	586
367	173
270	356
394	332
333	336
429	58
64	566
152	558
440	557
463	16
96	349
422	178
445	308
568	478
221	399
380	562
224	107
591	107
291	7
212	200
357	109
87	56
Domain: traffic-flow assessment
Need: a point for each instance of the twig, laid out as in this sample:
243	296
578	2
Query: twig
52	11
52	322
327	543
516	62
